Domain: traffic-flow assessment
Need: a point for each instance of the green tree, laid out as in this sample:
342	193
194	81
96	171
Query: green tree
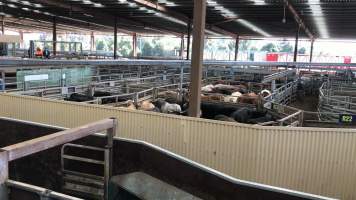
100	45
285	47
253	48
109	44
270	47
302	50
158	50
124	48
244	45
231	46
147	49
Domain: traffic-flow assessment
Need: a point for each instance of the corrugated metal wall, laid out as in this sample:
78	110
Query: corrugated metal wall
318	161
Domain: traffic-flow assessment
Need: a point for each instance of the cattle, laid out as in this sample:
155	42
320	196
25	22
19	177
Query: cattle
250	98
101	94
251	116
146	106
266	93
241	115
224	89
166	107
76	97
212	97
207	88
233	98
224	118
210	110
130	105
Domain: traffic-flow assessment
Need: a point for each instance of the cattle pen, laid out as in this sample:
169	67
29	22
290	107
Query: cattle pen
177	100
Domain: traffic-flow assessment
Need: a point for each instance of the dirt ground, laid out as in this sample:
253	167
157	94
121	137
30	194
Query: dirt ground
307	103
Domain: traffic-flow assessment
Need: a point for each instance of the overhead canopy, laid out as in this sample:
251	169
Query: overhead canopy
10	39
250	18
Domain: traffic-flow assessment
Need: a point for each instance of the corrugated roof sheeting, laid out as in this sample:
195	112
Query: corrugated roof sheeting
254	18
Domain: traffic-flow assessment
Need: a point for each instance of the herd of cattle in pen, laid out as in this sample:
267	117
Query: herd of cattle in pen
224	102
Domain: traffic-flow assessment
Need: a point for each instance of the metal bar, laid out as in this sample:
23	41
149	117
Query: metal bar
36	63
87	160
83	147
237	44
115	39
290	116
197	57
277	75
188	39
39	190
54	36
29	147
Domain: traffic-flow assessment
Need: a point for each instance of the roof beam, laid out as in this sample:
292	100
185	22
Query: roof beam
180	16
298	19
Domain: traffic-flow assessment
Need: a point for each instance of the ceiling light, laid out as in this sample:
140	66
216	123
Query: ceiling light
11	5
259	2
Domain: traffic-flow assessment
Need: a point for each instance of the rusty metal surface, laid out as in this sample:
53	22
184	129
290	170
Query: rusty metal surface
318	161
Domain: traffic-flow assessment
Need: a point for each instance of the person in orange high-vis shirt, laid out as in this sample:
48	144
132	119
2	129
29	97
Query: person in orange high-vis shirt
39	52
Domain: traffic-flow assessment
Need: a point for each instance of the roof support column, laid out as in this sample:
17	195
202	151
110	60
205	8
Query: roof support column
54	35
134	45
311	51
22	42
92	41
237	44
197	57
115	39
3	25
181	52
188	39
296	44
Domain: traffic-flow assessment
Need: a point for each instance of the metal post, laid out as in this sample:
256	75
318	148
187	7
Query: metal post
4	175
115	38
181	52
296	44
181	79
237	47
197	57
134	45
108	156
54	36
31	52
188	39
3	82
273	86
